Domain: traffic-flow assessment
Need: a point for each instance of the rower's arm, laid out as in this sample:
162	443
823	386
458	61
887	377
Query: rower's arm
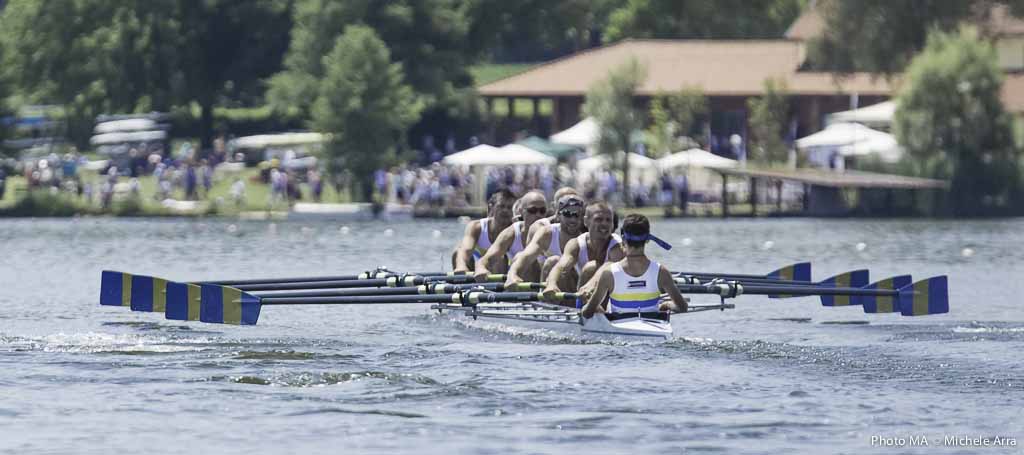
497	249
668	285
604	285
615	254
566	262
537	245
465	250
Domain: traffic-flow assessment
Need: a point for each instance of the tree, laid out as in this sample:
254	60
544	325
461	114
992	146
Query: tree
884	35
96	56
610	102
5	111
676	19
951	121
768	116
429	38
364	103
674	115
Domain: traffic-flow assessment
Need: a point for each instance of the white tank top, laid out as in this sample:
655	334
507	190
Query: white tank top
517	242
631	294
555	247
584	256
483	242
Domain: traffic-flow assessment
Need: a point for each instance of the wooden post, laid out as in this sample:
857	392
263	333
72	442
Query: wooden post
888	201
778	196
807	198
753	196
725	195
511	107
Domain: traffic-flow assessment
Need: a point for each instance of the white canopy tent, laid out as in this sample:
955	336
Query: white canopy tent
135	124
698	167
696	158
121	138
876	116
509	155
482	156
583	134
642	169
261	141
848	140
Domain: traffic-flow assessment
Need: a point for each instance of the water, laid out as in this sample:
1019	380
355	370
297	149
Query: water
783	376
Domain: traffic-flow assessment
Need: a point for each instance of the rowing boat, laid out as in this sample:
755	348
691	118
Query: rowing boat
647	325
240	301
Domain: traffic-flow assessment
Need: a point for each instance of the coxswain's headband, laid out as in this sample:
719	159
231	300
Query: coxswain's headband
643	238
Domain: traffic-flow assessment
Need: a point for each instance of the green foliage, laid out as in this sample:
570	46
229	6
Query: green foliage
768	116
429	38
951	121
676	19
487	73
610	102
535	30
674	115
96	56
364	103
882	35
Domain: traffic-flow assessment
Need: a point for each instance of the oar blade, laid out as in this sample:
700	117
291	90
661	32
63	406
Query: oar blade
228	305
148	294
929	296
800	271
183	300
115	288
851	279
885	303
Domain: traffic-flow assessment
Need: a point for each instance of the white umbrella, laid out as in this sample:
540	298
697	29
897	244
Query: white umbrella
509	155
583	134
134	124
880	114
696	158
261	141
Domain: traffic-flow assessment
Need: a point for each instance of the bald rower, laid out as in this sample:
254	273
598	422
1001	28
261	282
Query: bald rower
546	244
586	253
512	241
480	234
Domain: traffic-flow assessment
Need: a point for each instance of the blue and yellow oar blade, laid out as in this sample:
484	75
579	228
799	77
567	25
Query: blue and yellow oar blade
148	294
183	301
228	305
852	279
800	271
885	303
930	296
115	288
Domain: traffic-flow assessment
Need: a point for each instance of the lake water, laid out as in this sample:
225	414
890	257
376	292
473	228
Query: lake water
771	376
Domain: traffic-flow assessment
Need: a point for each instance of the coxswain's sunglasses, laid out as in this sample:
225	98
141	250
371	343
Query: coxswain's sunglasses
567	213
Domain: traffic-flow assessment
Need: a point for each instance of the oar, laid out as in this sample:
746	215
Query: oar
228	305
379	273
429	288
800	271
852	279
929	296
146	293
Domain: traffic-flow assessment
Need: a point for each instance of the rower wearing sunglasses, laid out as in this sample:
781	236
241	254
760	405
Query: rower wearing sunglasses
546	245
512	241
586	253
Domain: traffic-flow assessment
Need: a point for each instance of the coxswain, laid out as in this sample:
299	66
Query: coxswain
480	234
634	284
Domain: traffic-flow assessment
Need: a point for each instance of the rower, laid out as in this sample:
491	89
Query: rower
512	240
480	234
543	223
546	245
585	254
635	284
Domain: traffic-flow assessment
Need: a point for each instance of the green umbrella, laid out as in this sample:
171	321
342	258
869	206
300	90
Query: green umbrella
559	151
